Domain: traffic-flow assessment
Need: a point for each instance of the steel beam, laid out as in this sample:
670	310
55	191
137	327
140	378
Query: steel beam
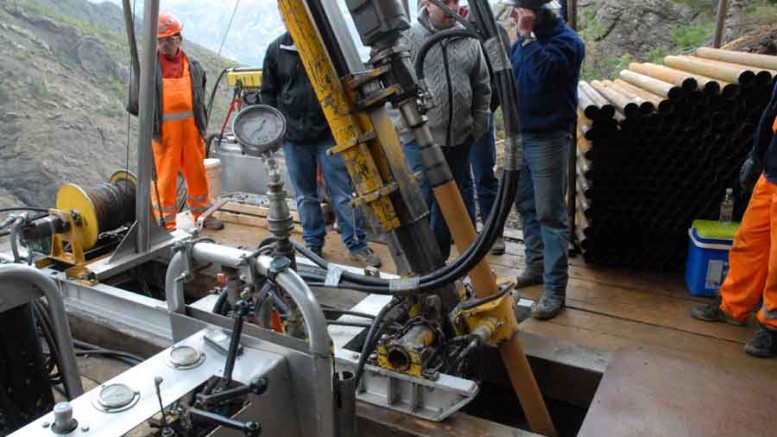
146	118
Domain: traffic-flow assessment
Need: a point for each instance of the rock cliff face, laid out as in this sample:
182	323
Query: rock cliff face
62	90
633	26
622	28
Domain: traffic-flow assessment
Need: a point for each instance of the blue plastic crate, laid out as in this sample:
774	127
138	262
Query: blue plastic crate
707	263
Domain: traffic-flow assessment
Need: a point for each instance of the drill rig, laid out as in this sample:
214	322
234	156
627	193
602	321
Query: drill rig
263	353
431	307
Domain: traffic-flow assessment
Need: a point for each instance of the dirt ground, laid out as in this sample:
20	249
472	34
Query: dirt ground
762	41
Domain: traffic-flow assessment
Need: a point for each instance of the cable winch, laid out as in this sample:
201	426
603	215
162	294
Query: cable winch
80	217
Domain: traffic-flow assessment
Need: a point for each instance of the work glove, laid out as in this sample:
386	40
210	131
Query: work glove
749	174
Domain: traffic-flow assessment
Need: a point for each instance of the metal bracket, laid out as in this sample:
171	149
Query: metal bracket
357	141
375	195
419	397
355	81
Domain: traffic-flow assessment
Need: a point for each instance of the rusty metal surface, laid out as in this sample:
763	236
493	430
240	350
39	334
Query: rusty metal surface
648	393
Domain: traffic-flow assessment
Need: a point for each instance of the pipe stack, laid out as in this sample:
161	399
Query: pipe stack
657	148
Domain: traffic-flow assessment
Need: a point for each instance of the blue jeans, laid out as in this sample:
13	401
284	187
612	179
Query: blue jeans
458	161
301	160
541	201
482	156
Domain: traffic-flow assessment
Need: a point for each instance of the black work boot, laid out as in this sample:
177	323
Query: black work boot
318	250
547	308
764	344
712	313
528	278
499	247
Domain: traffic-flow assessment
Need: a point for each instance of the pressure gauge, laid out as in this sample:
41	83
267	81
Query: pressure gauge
259	129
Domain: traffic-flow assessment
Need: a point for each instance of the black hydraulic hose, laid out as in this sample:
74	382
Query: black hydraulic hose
436	39
348	324
462	265
117	355
129	24
372	335
348	313
97	350
212	98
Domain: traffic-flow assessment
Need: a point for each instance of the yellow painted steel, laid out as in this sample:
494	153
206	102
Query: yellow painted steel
405	356
496	317
248	78
351	129
356	140
71	197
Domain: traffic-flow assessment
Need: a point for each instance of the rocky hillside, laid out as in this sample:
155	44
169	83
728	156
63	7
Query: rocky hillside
618	32
63	69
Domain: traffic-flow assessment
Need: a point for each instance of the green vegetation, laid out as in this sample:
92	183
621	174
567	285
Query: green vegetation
21	55
692	36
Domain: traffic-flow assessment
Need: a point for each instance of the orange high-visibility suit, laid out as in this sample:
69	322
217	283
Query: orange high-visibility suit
181	147
752	271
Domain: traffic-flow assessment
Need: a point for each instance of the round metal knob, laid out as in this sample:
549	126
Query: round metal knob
64	422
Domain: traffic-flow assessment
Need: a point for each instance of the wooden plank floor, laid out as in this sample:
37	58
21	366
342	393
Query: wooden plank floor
607	309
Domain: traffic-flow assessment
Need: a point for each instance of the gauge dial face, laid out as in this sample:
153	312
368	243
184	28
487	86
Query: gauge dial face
259	128
116	396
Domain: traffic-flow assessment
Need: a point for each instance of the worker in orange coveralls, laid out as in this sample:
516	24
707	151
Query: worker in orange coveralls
179	126
752	275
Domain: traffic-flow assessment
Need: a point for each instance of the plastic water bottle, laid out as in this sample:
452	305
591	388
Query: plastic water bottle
727	207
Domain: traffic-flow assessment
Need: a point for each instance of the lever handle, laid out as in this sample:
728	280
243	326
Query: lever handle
241	309
250	429
257	386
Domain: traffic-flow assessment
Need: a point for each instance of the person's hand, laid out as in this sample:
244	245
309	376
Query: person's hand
749	174
526	19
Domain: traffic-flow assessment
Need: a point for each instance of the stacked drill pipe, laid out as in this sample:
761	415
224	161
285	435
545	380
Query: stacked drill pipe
657	148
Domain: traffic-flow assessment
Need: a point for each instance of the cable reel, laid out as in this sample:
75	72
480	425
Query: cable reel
79	218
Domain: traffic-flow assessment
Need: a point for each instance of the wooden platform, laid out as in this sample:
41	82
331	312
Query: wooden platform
626	313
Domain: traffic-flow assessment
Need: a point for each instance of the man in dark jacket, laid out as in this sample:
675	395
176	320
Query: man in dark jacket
752	274
547	58
179	126
285	86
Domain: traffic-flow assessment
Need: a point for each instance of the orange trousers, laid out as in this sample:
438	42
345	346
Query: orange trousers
752	261
181	149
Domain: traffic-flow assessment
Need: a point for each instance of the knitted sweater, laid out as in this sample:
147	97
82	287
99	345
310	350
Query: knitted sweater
457	75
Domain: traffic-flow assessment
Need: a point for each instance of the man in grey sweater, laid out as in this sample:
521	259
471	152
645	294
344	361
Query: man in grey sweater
457	76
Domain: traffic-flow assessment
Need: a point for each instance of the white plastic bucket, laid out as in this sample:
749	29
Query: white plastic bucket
213	174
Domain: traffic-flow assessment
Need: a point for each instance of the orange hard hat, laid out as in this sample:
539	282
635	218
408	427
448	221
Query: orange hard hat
168	25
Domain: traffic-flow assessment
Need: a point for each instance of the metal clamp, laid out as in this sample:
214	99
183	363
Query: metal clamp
278	265
185	247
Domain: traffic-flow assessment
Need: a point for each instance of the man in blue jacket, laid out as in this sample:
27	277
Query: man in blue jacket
547	58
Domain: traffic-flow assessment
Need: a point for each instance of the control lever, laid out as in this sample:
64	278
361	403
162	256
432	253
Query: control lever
251	429
166	430
241	309
257	386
